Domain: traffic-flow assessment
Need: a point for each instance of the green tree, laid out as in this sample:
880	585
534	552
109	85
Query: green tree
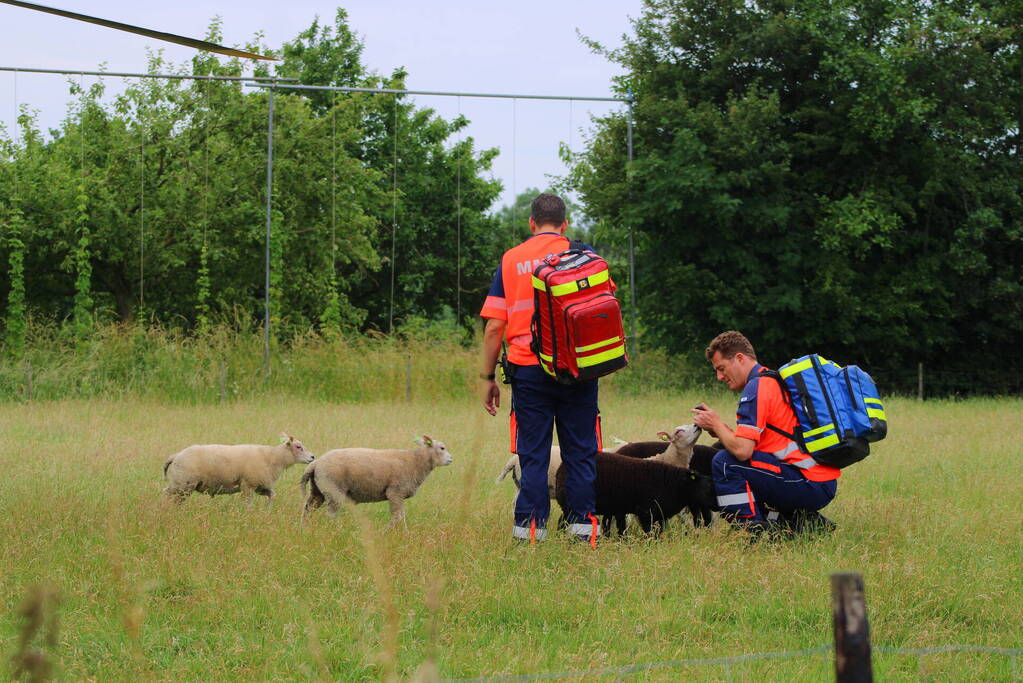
839	177
156	198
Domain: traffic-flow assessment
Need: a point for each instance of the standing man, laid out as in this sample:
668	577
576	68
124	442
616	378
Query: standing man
538	401
761	465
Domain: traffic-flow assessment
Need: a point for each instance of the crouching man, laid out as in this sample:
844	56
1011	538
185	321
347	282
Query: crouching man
761	466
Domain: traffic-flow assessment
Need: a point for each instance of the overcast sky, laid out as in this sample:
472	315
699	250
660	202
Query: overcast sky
525	47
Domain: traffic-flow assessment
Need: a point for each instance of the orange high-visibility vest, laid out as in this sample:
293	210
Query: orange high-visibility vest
511	294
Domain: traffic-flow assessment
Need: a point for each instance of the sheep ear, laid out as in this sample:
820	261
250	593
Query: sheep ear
664	436
427	441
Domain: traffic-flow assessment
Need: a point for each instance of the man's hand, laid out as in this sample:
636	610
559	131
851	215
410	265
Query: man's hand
705	418
491	396
740	447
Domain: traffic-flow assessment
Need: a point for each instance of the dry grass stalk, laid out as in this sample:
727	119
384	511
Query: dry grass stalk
39	609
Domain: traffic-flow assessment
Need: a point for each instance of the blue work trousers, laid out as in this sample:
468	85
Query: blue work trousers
538	403
743	488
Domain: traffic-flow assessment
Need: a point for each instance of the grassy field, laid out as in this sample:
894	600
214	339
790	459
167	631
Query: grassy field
219	590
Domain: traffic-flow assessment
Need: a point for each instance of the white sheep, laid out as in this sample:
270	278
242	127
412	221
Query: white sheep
675	448
367	475
513	467
680	445
217	468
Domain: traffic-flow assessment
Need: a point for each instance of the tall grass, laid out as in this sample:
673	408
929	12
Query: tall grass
226	363
220	590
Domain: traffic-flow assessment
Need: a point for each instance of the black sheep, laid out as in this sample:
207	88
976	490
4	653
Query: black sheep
642	449
653	491
700	463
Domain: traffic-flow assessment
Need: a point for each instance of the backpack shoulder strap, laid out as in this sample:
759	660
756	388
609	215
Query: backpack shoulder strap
776	376
577	245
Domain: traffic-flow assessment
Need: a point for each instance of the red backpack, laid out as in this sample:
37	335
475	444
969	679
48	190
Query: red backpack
577	321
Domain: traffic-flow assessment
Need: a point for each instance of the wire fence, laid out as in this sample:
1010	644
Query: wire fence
940	382
727	663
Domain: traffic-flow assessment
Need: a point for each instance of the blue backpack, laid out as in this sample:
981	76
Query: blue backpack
839	410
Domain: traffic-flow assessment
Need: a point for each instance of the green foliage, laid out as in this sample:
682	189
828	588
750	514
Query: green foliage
82	313
224	361
161	190
836	177
15	322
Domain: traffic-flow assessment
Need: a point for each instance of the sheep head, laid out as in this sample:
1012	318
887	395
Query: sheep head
439	452
297	449
680	444
685	436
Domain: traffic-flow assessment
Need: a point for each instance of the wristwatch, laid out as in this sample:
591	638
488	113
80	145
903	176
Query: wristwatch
490	376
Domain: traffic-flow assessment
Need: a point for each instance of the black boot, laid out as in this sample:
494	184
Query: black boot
768	530
808	522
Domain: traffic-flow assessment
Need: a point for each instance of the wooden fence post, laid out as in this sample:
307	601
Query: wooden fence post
28	381
920	381
408	378
223	380
852	633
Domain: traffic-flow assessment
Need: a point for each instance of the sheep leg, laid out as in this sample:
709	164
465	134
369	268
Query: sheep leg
314	501
247	491
334	502
333	494
180	492
701	515
268	492
397	503
694	510
645	518
658	522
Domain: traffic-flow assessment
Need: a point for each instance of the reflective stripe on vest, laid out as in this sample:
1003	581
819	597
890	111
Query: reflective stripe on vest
785	452
806	463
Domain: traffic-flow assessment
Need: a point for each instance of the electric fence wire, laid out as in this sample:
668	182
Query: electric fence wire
727	662
647	666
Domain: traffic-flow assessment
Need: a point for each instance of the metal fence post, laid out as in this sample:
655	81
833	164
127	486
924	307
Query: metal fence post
269	206
632	247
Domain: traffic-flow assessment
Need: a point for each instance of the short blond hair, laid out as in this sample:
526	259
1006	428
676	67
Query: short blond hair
730	343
